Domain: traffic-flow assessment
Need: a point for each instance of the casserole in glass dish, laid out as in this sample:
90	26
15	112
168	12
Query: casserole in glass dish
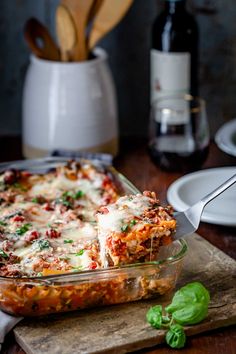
28	291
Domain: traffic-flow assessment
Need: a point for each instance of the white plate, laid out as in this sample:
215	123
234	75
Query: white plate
225	138
190	188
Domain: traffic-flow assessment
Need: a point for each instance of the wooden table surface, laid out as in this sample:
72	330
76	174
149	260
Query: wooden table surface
135	164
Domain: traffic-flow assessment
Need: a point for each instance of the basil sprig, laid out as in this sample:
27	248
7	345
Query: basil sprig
176	337
189	306
154	316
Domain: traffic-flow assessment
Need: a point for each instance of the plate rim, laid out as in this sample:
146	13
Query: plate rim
223	132
172	195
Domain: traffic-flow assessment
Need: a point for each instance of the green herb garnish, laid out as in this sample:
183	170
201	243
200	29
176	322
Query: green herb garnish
78	195
35	200
124	228
133	222
67	203
80	253
43	244
68	197
175	336
70	194
189	306
67	194
68	241
3	254
154	316
3	223
23	229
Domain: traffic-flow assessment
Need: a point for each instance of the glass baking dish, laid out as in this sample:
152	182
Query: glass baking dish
34	296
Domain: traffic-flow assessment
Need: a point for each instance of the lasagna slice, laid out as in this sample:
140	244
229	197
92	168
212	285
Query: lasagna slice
133	228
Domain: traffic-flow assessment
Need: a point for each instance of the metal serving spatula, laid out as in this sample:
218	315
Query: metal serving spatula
189	220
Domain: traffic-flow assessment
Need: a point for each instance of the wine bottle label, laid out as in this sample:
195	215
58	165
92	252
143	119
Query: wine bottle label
170	73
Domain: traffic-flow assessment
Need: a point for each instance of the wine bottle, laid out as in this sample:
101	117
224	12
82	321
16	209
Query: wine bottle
179	134
174	53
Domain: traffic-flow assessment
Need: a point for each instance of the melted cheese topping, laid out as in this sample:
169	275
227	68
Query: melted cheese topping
126	208
48	222
51	223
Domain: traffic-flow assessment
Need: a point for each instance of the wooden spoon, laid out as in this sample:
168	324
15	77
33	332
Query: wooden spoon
79	10
66	32
40	41
109	14
94	9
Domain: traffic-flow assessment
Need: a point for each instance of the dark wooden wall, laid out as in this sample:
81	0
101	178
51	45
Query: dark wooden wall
128	46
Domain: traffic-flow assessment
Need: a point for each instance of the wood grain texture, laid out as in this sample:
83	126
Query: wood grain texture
123	328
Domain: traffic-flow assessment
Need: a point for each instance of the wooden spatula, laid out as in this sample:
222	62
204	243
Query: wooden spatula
109	14
66	32
79	10
40	41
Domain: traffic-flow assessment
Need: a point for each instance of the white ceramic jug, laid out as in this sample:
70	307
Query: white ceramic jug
70	106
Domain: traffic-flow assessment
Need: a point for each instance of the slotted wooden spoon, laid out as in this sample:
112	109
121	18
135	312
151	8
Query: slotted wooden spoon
66	32
40	41
109	14
80	11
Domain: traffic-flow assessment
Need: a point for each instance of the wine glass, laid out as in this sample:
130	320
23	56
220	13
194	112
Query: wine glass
179	132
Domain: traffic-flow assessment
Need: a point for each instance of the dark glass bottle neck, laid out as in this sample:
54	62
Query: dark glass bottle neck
174	6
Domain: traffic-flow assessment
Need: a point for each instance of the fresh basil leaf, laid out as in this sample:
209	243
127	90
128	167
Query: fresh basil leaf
154	316
176	337
189	304
2	223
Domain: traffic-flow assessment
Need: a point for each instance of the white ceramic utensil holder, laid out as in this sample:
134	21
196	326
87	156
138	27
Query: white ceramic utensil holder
70	106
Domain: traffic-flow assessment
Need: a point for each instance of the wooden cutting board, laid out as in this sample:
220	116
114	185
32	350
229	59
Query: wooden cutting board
123	328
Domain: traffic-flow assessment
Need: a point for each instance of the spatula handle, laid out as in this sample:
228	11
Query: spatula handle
218	190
